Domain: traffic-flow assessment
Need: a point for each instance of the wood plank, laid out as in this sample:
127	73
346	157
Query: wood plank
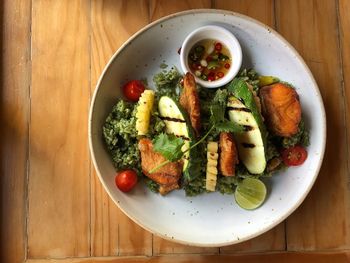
14	116
330	257
344	30
159	9
273	240
112	232
323	221
59	202
262	10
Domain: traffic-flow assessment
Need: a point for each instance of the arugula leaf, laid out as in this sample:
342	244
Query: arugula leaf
169	146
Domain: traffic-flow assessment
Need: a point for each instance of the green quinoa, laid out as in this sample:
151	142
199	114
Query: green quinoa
120	136
167	83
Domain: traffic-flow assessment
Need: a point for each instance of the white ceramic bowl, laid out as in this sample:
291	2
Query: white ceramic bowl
210	219
216	33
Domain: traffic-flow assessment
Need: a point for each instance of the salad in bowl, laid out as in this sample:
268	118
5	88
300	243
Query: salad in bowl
181	136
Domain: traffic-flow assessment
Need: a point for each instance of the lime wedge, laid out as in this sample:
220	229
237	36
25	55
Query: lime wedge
250	193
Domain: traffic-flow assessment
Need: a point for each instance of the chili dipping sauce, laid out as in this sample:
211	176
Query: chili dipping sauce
209	60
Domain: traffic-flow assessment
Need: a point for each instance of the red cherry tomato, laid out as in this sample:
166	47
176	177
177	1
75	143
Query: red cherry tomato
218	46
133	90
294	156
126	180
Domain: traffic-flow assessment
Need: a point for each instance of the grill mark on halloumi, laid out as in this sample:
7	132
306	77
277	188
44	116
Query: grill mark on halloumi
248	145
238	109
248	128
183	137
172	119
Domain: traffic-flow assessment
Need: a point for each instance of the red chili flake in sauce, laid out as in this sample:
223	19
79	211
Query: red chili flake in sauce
218	46
194	66
220	74
209	58
211	76
227	65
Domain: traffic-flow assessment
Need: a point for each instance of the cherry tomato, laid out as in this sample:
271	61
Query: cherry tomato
133	90
227	65
218	46
294	156
126	180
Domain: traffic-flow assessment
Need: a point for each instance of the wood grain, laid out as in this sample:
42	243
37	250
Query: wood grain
14	116
340	257
322	222
112	232
273	240
160	8
344	30
59	201
262	10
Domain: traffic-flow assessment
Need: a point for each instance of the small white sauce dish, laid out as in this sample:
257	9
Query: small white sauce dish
219	34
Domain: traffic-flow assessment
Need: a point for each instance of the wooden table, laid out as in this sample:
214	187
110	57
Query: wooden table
53	208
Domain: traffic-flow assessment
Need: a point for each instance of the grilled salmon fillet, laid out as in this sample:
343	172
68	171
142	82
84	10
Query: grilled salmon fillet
189	100
281	109
167	176
228	154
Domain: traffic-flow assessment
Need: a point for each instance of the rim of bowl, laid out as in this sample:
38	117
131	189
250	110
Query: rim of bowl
289	46
227	38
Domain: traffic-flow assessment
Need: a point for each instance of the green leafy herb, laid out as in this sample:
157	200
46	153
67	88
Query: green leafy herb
169	146
220	123
239	88
213	64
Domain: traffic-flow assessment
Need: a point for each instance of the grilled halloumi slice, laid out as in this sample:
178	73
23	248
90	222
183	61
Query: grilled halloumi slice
249	143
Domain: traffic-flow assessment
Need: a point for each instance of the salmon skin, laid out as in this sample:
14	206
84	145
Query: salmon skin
167	176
